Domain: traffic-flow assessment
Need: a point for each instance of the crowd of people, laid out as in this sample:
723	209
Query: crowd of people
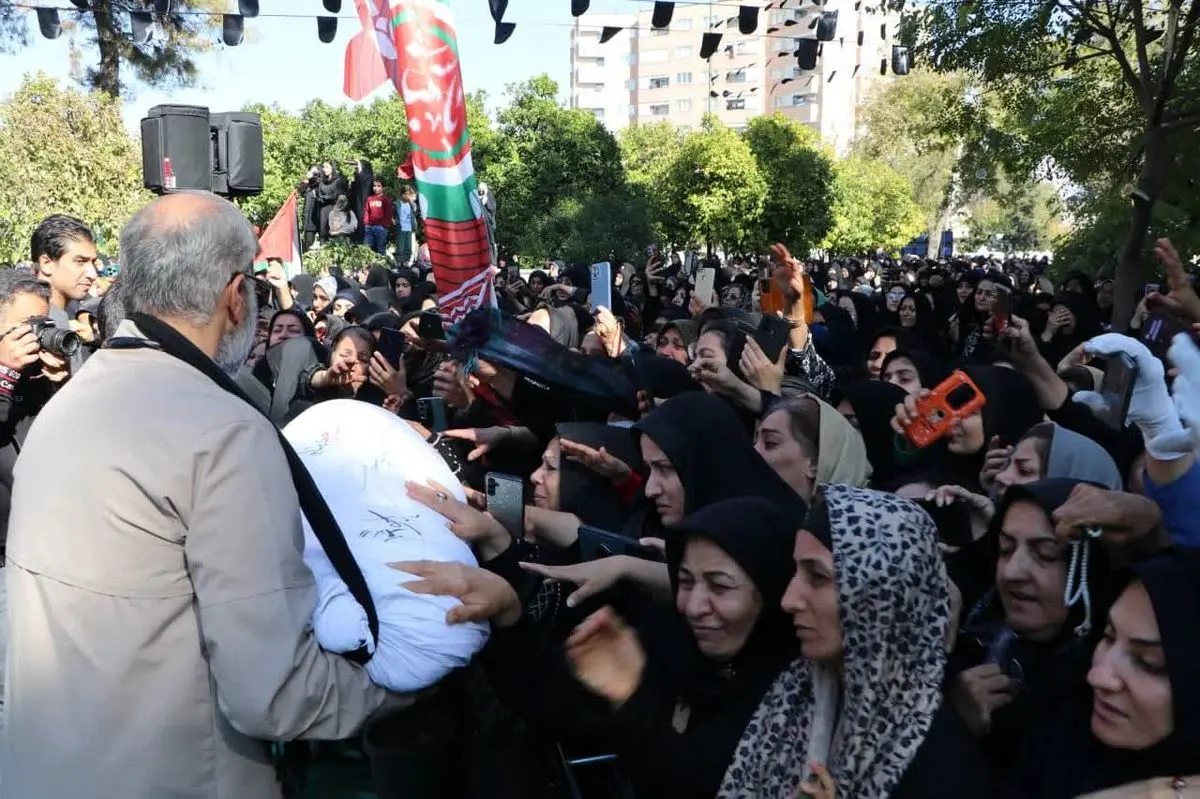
357	210
738	570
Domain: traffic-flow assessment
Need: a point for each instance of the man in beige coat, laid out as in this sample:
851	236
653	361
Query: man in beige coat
158	599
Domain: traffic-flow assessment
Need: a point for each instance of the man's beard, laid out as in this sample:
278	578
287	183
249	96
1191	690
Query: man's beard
235	347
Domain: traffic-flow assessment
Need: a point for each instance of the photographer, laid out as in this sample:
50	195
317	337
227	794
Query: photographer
63	251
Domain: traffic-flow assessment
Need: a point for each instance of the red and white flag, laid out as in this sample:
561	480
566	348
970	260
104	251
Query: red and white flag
281	239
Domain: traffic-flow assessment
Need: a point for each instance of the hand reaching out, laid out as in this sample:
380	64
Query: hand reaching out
607	656
482	594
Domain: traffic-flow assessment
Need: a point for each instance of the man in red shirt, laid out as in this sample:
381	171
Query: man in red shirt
377	219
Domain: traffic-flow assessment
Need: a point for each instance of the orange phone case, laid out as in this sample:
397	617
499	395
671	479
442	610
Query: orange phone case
935	414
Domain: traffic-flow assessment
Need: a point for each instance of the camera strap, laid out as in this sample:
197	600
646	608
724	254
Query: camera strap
161	336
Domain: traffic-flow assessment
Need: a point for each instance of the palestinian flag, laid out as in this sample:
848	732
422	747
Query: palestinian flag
413	43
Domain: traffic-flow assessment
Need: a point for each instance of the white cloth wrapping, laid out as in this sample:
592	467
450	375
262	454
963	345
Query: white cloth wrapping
360	456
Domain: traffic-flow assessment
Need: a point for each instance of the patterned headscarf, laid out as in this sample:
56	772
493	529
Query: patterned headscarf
894	607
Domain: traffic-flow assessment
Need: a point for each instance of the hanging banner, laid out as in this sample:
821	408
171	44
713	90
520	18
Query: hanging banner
413	43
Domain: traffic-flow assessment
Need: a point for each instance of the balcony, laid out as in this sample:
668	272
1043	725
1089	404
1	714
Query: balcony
590	75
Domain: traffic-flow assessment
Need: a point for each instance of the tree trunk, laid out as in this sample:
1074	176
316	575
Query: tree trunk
1132	269
108	77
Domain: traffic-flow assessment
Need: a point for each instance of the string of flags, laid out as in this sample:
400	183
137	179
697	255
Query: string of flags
142	26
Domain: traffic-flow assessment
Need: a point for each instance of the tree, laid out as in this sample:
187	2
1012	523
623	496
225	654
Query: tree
166	61
551	164
1117	82
1019	218
873	207
647	153
716	189
799	176
62	151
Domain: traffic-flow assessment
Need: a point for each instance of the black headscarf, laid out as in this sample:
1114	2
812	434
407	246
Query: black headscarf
304	289
583	492
378	277
874	403
714	458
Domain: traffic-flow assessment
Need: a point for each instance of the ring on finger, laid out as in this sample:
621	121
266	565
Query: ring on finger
442	496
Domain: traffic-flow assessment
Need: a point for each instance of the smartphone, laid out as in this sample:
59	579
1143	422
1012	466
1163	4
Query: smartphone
704	286
772	336
369	392
392	345
432	413
429	326
1001	309
1120	376
1151	288
506	501
956	397
627	273
953	522
595	544
1160	329
601	285
770	298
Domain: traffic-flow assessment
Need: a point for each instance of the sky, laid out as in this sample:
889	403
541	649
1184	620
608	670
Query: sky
283	62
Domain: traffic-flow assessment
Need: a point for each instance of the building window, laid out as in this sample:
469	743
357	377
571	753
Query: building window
660	109
736	77
660	82
735	104
684	105
683	77
682	25
683	52
598	112
792	100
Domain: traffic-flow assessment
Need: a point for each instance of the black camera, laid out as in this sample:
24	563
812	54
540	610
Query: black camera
53	338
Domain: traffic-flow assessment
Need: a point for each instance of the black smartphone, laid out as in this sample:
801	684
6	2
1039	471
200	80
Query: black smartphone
506	501
595	544
772	335
953	522
1160	329
1120	376
432	413
369	392
430	326
392	345
1151	288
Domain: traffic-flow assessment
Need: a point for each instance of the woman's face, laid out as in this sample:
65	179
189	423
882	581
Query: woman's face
847	410
670	345
1024	467
733	295
964	290
966	435
985	294
257	353
711	346
1131	706
1104	295
894	296
663	486
327	169
402	288
680	300
353	352
1066	314
847	305
546	479
320	299
902	372
883	347
790	459
811	598
908	312
286	327
1031	573
536	284
637	287
717	598
341	305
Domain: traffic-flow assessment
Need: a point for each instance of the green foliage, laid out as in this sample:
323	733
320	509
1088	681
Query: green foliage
350	257
799	176
647	153
559	184
716	190
873	207
1015	219
167	61
62	151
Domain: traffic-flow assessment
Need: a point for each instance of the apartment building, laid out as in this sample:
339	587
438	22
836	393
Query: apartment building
644	75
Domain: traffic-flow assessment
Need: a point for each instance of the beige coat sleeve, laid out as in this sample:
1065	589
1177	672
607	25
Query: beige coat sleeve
255	596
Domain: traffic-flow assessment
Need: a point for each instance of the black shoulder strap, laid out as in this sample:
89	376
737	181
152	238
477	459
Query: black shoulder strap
165	338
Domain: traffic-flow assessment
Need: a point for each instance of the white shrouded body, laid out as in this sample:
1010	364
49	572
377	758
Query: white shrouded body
360	455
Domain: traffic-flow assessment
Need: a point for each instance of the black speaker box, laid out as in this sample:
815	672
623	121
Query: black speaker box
180	134
806	56
237	167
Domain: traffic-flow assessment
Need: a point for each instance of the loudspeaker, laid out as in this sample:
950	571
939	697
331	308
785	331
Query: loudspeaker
806	56
176	149
900	60
237	148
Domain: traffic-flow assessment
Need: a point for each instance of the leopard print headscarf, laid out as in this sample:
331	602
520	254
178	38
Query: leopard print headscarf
894	605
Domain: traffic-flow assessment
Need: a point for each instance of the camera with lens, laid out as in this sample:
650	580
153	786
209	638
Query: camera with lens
53	338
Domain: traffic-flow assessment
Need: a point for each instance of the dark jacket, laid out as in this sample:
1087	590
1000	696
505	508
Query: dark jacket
17	413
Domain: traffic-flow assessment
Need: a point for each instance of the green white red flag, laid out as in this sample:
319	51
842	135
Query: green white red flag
281	239
413	43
